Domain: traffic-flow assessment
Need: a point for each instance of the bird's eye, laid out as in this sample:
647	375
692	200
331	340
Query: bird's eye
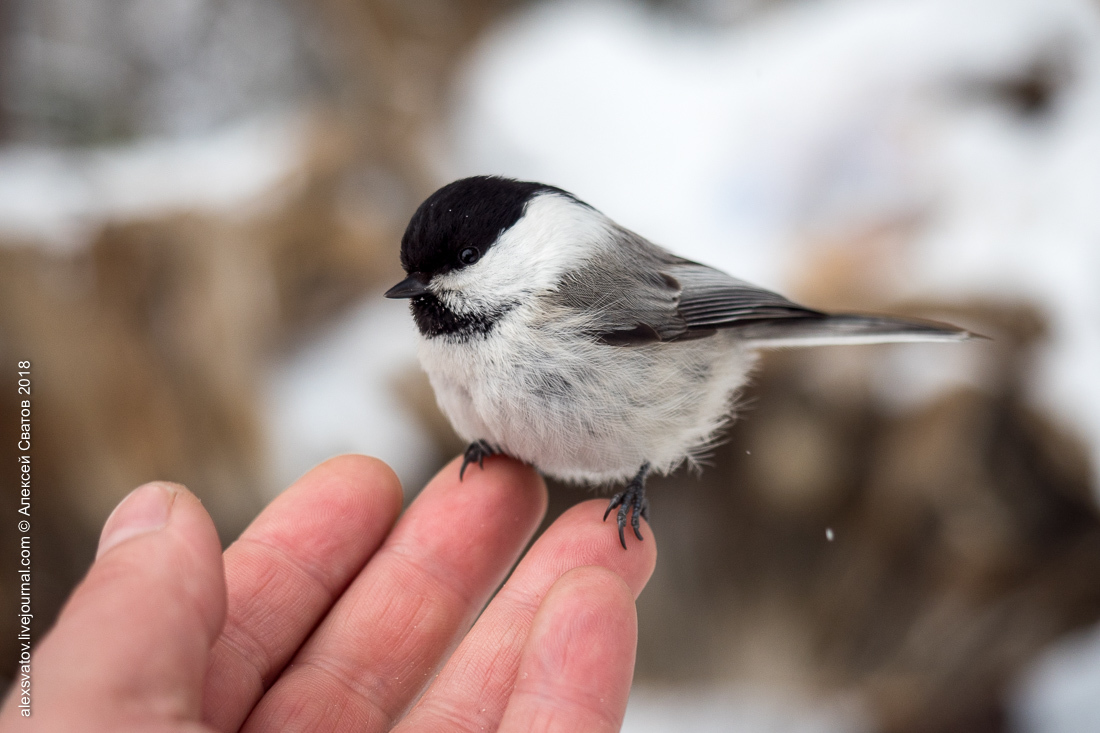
469	256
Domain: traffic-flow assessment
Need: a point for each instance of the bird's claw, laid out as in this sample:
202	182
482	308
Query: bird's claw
477	452
632	497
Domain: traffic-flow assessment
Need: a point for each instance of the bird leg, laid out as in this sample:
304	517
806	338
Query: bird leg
477	452
632	496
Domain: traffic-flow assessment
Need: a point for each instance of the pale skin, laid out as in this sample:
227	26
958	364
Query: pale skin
331	612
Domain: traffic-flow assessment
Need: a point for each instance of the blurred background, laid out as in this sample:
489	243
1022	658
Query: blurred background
201	202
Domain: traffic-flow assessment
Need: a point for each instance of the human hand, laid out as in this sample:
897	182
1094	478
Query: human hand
326	615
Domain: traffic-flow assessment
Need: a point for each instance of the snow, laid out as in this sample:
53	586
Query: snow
336	395
59	196
1061	692
737	709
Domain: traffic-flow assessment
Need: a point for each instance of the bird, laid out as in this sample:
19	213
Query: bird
554	335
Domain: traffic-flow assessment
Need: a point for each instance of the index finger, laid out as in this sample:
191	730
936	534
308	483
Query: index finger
378	646
286	571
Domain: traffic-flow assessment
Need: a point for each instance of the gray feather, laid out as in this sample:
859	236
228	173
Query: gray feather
637	293
847	328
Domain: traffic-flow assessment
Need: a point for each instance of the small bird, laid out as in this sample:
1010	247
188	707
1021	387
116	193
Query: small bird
553	335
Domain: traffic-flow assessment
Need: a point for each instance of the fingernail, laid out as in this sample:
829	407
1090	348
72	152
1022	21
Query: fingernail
145	509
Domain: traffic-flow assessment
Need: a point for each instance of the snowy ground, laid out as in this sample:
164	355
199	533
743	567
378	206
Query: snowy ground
338	396
744	710
58	197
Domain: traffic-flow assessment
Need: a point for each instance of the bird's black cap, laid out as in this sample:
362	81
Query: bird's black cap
471	212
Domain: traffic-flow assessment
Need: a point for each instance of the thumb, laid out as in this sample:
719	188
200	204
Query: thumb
130	646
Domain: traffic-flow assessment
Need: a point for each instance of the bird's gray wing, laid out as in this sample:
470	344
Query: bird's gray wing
639	293
711	299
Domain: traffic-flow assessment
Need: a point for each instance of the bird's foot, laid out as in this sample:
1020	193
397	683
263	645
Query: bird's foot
632	496
477	452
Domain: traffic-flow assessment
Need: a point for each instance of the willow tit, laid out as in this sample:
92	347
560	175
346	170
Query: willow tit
555	336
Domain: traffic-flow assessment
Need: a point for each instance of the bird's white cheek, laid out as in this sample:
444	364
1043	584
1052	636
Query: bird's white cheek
478	288
553	236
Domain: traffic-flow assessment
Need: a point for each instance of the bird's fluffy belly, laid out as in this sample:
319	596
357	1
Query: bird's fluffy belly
581	411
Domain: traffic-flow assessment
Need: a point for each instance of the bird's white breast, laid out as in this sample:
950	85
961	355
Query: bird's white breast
579	410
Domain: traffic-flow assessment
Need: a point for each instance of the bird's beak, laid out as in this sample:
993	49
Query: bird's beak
412	286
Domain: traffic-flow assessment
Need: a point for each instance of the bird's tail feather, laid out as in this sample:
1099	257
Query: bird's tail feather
846	328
